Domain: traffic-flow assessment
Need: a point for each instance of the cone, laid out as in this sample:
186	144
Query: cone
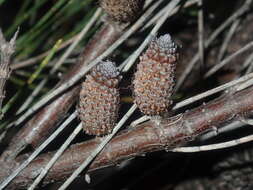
123	11
99	99
155	77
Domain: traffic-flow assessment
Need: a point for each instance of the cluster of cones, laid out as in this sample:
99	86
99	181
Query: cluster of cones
153	86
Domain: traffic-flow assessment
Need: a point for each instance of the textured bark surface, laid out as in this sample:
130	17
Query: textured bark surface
148	137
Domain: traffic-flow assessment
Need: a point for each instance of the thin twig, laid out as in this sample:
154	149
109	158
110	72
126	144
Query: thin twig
250	68
217	146
244	85
247	121
227	39
224	129
248	61
201	33
139	121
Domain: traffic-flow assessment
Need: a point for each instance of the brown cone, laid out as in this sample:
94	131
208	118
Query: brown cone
154	79
123	11
100	99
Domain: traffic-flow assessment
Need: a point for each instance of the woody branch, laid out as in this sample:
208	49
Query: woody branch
148	137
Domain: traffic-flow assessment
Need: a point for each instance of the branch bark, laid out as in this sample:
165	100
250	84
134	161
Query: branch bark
148	137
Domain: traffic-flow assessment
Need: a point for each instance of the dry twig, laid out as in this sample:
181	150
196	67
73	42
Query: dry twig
201	33
6	51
